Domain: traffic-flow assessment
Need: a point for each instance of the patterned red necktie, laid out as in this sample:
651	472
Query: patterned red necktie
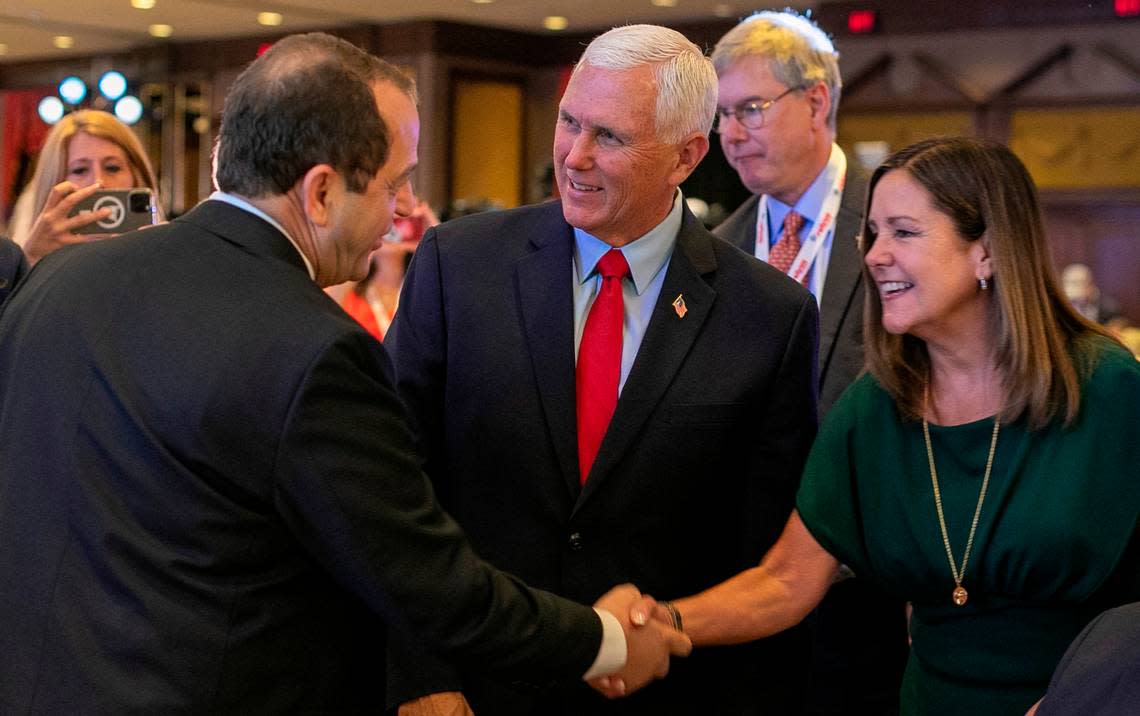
599	361
784	251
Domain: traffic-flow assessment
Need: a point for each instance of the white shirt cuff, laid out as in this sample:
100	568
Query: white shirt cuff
612	652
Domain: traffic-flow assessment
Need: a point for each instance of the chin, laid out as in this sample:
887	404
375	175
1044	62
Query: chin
895	327
576	217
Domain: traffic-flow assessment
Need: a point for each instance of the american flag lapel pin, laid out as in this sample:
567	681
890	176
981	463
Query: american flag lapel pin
679	306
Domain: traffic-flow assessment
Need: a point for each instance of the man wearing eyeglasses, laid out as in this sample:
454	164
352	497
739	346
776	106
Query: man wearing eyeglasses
778	96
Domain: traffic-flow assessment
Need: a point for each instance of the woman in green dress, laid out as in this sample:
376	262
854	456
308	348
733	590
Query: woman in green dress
986	467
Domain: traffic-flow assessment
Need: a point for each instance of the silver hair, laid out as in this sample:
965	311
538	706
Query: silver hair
798	52
686	80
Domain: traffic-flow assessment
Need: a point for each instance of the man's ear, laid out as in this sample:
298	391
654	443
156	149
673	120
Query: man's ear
819	99
689	154
319	187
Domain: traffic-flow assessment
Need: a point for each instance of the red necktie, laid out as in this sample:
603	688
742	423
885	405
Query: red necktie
784	251
599	361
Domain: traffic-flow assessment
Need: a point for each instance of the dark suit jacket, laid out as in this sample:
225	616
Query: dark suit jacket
1099	675
694	479
841	313
859	642
209	499
13	266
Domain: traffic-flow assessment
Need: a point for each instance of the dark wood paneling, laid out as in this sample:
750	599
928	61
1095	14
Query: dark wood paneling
1103	233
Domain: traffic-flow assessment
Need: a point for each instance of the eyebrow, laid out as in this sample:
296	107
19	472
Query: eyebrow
88	160
746	100
406	174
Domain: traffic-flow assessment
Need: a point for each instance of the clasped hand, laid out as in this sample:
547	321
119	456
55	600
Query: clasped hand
650	642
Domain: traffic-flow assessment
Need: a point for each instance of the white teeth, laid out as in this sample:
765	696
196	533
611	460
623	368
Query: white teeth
892	286
583	187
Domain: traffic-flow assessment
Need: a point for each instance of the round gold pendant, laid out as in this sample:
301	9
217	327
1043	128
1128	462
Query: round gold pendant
960	595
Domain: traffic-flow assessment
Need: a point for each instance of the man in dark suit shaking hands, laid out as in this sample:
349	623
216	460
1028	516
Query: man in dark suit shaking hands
605	391
776	120
209	499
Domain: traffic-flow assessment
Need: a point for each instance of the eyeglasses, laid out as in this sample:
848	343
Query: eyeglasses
750	114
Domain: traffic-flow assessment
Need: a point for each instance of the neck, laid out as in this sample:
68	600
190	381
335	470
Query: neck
819	159
618	240
288	210
965	383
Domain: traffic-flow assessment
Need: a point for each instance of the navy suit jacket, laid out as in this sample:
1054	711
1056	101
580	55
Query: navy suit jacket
13	266
693	481
209	498
1099	675
841	313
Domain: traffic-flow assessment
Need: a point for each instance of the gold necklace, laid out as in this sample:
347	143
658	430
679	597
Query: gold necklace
959	595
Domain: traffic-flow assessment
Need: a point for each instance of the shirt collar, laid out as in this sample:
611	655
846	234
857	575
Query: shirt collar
234	200
646	255
812	200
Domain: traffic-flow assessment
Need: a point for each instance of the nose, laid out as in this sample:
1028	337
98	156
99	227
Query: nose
405	200
580	156
96	175
878	254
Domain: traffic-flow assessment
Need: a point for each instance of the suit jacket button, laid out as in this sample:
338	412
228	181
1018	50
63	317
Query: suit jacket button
575	542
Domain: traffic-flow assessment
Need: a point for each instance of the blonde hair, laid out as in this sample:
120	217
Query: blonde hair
686	80
797	52
51	165
1041	344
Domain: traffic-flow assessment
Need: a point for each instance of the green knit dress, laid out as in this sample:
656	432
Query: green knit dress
1056	542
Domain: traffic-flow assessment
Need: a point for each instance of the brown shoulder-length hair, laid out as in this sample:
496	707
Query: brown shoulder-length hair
1041	344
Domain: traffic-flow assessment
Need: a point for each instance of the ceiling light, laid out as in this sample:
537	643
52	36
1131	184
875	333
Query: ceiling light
142	4
50	110
63	42
72	89
664	3
129	109
160	30
555	22
482	2
272	19
112	85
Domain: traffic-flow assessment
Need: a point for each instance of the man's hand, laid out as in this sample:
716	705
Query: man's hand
448	703
649	644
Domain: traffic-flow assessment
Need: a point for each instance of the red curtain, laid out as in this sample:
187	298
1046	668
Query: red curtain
23	135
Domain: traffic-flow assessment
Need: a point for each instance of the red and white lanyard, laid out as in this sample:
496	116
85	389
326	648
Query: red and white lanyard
822	228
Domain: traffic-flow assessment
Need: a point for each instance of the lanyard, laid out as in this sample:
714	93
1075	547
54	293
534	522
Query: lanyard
822	229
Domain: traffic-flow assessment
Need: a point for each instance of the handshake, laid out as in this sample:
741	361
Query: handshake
651	639
652	636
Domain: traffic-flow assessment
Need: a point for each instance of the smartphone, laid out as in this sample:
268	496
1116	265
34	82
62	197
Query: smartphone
130	210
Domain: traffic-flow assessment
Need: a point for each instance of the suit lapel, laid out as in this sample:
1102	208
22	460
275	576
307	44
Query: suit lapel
844	268
667	341
739	229
547	308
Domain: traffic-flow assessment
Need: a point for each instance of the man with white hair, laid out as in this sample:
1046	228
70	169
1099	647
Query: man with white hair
779	95
606	392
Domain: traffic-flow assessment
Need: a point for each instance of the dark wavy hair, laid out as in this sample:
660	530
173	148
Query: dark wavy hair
307	101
